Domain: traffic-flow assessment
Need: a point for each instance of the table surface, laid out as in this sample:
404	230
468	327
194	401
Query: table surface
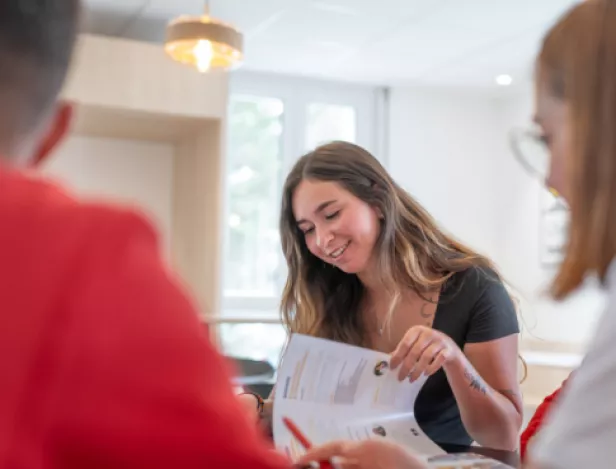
511	458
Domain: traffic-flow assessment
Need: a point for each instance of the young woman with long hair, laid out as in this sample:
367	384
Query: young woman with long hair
368	266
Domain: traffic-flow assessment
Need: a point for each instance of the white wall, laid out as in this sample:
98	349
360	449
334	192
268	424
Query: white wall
139	173
449	148
442	152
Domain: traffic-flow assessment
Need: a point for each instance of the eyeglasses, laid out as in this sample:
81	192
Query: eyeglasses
531	151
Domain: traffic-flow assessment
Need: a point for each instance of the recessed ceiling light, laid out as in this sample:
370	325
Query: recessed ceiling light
504	80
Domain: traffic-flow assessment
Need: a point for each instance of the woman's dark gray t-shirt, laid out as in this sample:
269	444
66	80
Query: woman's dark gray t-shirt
474	307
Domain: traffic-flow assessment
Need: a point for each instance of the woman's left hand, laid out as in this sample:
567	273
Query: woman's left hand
423	350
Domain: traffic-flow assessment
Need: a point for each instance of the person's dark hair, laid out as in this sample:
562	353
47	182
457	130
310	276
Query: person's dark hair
37	38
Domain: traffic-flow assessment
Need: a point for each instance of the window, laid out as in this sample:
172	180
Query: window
327	122
253	192
272	122
257	341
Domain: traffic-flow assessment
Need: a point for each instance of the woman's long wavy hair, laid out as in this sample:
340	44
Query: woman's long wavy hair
412	251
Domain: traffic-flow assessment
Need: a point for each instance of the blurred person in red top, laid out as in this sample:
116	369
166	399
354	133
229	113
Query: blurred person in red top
104	362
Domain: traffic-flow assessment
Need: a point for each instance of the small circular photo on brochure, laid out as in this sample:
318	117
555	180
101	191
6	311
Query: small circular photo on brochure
380	368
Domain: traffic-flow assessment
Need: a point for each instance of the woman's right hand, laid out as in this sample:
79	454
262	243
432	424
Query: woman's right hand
368	454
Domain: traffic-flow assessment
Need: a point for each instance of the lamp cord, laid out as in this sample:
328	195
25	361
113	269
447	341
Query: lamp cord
207	7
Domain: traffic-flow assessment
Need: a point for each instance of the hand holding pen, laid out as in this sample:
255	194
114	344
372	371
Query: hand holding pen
366	454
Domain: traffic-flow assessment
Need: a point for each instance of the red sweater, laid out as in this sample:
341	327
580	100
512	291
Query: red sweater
104	362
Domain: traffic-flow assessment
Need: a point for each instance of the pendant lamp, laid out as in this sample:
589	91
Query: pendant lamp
204	42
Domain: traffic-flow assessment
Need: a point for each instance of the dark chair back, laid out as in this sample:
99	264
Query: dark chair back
254	375
252	371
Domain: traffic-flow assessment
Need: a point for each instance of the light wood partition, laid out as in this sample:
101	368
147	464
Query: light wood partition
124	74
130	90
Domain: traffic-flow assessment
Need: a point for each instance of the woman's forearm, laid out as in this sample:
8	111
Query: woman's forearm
490	417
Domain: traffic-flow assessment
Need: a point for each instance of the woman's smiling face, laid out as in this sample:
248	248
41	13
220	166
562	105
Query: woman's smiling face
338	227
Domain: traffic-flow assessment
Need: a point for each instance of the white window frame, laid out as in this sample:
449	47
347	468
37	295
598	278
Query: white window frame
296	94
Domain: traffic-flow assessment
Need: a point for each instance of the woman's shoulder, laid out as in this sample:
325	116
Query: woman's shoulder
478	298
474	282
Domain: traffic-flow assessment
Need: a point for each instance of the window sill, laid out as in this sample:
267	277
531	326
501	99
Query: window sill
241	319
552	359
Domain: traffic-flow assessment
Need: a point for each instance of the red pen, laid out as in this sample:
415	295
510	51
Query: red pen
301	438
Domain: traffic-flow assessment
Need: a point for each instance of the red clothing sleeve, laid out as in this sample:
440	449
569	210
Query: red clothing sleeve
537	420
137	383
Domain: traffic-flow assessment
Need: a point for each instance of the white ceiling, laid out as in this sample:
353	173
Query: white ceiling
388	42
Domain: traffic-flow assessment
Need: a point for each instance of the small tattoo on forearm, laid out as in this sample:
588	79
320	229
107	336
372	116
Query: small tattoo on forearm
475	382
